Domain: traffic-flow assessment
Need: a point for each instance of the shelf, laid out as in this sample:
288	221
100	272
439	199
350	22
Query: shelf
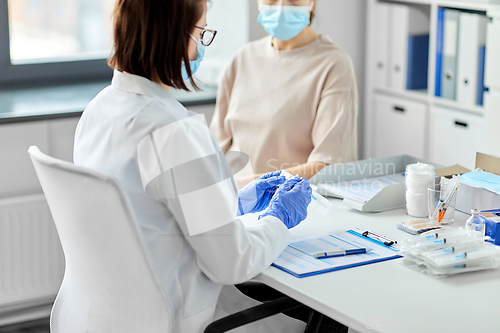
418	2
416	95
423	96
472	5
475	109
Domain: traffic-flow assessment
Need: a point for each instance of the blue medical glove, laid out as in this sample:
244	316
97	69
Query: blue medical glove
255	197
290	202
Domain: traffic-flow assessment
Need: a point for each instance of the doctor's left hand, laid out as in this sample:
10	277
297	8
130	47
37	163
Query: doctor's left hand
255	197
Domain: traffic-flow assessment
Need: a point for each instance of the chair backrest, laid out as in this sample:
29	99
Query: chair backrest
108	284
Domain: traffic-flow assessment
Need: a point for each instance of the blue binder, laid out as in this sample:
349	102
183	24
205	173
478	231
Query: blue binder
439	51
418	62
480	76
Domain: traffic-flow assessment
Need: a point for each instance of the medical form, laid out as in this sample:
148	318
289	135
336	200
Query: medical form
298	259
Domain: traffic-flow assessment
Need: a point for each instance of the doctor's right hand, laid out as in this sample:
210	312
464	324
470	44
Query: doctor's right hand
256	196
289	203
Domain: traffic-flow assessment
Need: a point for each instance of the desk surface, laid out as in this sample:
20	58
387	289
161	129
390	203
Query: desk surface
387	296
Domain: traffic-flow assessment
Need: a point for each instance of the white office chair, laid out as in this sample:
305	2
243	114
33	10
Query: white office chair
108	284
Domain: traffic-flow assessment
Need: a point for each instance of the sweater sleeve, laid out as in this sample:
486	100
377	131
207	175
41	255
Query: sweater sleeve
334	132
220	131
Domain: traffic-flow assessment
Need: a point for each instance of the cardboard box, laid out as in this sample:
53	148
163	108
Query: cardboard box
448	172
468	197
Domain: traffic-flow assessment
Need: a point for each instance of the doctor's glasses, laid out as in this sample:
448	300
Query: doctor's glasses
207	35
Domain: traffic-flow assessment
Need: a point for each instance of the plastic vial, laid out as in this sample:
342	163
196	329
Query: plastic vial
475	222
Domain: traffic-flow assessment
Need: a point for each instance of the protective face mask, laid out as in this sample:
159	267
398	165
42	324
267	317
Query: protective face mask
195	64
482	179
284	22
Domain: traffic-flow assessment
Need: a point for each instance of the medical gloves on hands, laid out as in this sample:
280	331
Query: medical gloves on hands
290	202
255	197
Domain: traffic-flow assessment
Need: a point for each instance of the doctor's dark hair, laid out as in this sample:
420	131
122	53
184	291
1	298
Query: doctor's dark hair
151	38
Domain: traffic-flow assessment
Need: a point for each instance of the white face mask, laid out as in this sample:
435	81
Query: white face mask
195	64
482	179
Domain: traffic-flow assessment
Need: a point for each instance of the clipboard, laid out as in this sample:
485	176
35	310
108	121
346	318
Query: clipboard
297	260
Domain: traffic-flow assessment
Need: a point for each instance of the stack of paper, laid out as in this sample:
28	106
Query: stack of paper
361	190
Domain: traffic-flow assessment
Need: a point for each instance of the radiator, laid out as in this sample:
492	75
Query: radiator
31	257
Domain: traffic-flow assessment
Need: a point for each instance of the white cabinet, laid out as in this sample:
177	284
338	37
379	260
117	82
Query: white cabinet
53	137
387	132
16	170
62	138
455	137
400	127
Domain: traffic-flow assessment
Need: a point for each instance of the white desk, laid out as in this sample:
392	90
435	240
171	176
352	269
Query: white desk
387	296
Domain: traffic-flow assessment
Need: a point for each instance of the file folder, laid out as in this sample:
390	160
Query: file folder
480	79
439	51
398	47
418	62
382	31
405	20
450	48
472	36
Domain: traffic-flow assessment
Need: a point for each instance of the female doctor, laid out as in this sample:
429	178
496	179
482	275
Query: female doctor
180	190
289	101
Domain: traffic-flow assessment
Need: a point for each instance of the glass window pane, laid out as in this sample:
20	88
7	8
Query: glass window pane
59	30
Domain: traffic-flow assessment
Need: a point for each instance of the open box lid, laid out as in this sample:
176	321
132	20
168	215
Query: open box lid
486	162
447	172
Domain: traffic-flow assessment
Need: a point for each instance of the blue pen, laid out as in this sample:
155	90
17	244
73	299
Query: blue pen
340	253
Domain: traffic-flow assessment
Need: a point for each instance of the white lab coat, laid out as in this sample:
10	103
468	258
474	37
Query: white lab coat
191	269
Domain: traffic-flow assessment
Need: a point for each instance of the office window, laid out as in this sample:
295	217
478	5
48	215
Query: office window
59	30
49	41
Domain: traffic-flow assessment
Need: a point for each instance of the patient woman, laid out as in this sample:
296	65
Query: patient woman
289	101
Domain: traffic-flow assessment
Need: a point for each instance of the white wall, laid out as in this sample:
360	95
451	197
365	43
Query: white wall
345	22
53	137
